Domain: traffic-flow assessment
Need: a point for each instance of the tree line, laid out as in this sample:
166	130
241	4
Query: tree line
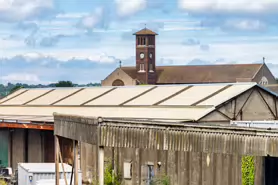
10	87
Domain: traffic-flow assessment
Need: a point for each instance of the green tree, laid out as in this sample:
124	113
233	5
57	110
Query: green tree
248	170
64	84
15	88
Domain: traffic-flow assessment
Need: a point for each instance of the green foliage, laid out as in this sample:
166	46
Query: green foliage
248	170
8	88
15	88
2	182
64	84
161	180
109	175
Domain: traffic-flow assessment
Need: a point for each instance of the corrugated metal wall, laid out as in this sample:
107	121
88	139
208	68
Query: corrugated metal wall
183	168
4	147
49	153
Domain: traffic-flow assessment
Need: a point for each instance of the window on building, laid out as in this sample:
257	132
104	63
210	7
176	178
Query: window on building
150	67
127	170
150	41
147	173
264	81
142	68
150	173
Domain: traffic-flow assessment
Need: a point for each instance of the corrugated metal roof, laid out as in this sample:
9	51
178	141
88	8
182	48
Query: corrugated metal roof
182	102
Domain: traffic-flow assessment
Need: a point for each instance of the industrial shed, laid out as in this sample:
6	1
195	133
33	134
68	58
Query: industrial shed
144	151
184	103
211	104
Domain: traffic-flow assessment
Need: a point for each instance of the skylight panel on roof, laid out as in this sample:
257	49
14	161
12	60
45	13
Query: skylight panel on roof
193	95
27	96
156	95
226	94
120	95
16	93
54	96
84	96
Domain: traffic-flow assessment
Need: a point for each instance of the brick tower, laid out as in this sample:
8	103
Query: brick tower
145	56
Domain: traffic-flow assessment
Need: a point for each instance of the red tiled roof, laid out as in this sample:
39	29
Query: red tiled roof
202	74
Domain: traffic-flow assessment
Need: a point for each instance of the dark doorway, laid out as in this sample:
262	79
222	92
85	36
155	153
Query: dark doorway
271	171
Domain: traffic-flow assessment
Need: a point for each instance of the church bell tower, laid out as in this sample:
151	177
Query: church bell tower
145	56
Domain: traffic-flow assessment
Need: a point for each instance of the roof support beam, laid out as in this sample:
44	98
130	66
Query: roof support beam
269	108
27	126
240	110
227	117
275	102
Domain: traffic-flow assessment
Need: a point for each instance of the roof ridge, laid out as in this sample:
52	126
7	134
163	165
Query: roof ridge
209	65
258	71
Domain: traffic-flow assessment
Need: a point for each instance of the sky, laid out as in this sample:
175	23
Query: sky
43	41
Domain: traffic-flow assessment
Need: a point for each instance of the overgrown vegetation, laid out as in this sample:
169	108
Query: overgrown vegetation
2	182
161	180
109	176
248	170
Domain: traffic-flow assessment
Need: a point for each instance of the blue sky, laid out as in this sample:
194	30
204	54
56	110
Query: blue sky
44	41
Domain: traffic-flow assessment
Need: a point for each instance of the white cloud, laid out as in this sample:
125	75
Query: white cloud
21	77
32	56
10	43
67	55
92	20
245	25
226	6
238	52
71	15
126	8
18	10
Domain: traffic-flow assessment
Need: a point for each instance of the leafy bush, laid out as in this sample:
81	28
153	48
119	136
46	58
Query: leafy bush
161	180
2	182
108	175
248	170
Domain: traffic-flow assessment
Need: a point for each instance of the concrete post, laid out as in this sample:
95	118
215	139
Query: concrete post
76	165
57	160
101	165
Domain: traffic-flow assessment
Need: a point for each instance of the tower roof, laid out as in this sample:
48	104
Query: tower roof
145	31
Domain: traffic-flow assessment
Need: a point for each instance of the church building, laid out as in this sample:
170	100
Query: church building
145	70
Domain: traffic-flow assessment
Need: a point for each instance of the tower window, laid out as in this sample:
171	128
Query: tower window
142	68
150	67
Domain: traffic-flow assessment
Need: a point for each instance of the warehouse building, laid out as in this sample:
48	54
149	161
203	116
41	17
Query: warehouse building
211	104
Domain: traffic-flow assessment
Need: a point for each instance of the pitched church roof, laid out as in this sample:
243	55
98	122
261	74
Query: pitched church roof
145	31
227	73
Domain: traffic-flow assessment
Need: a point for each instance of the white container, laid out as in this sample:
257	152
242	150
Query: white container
52	182
30	173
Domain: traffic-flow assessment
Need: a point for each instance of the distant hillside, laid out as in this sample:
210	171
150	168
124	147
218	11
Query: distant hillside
6	89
